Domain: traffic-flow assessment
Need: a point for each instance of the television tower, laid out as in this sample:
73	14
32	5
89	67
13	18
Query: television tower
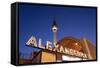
54	29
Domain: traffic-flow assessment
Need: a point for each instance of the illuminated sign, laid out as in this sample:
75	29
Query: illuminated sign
32	42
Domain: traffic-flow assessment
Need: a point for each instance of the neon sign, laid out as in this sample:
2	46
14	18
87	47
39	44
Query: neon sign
32	42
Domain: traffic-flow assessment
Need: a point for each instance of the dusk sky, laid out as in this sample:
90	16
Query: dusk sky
36	20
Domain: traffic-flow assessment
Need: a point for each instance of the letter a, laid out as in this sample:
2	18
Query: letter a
32	41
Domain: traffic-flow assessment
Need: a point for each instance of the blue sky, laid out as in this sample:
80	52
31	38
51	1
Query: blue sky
36	20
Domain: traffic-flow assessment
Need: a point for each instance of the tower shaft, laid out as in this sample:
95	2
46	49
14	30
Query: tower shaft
55	41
